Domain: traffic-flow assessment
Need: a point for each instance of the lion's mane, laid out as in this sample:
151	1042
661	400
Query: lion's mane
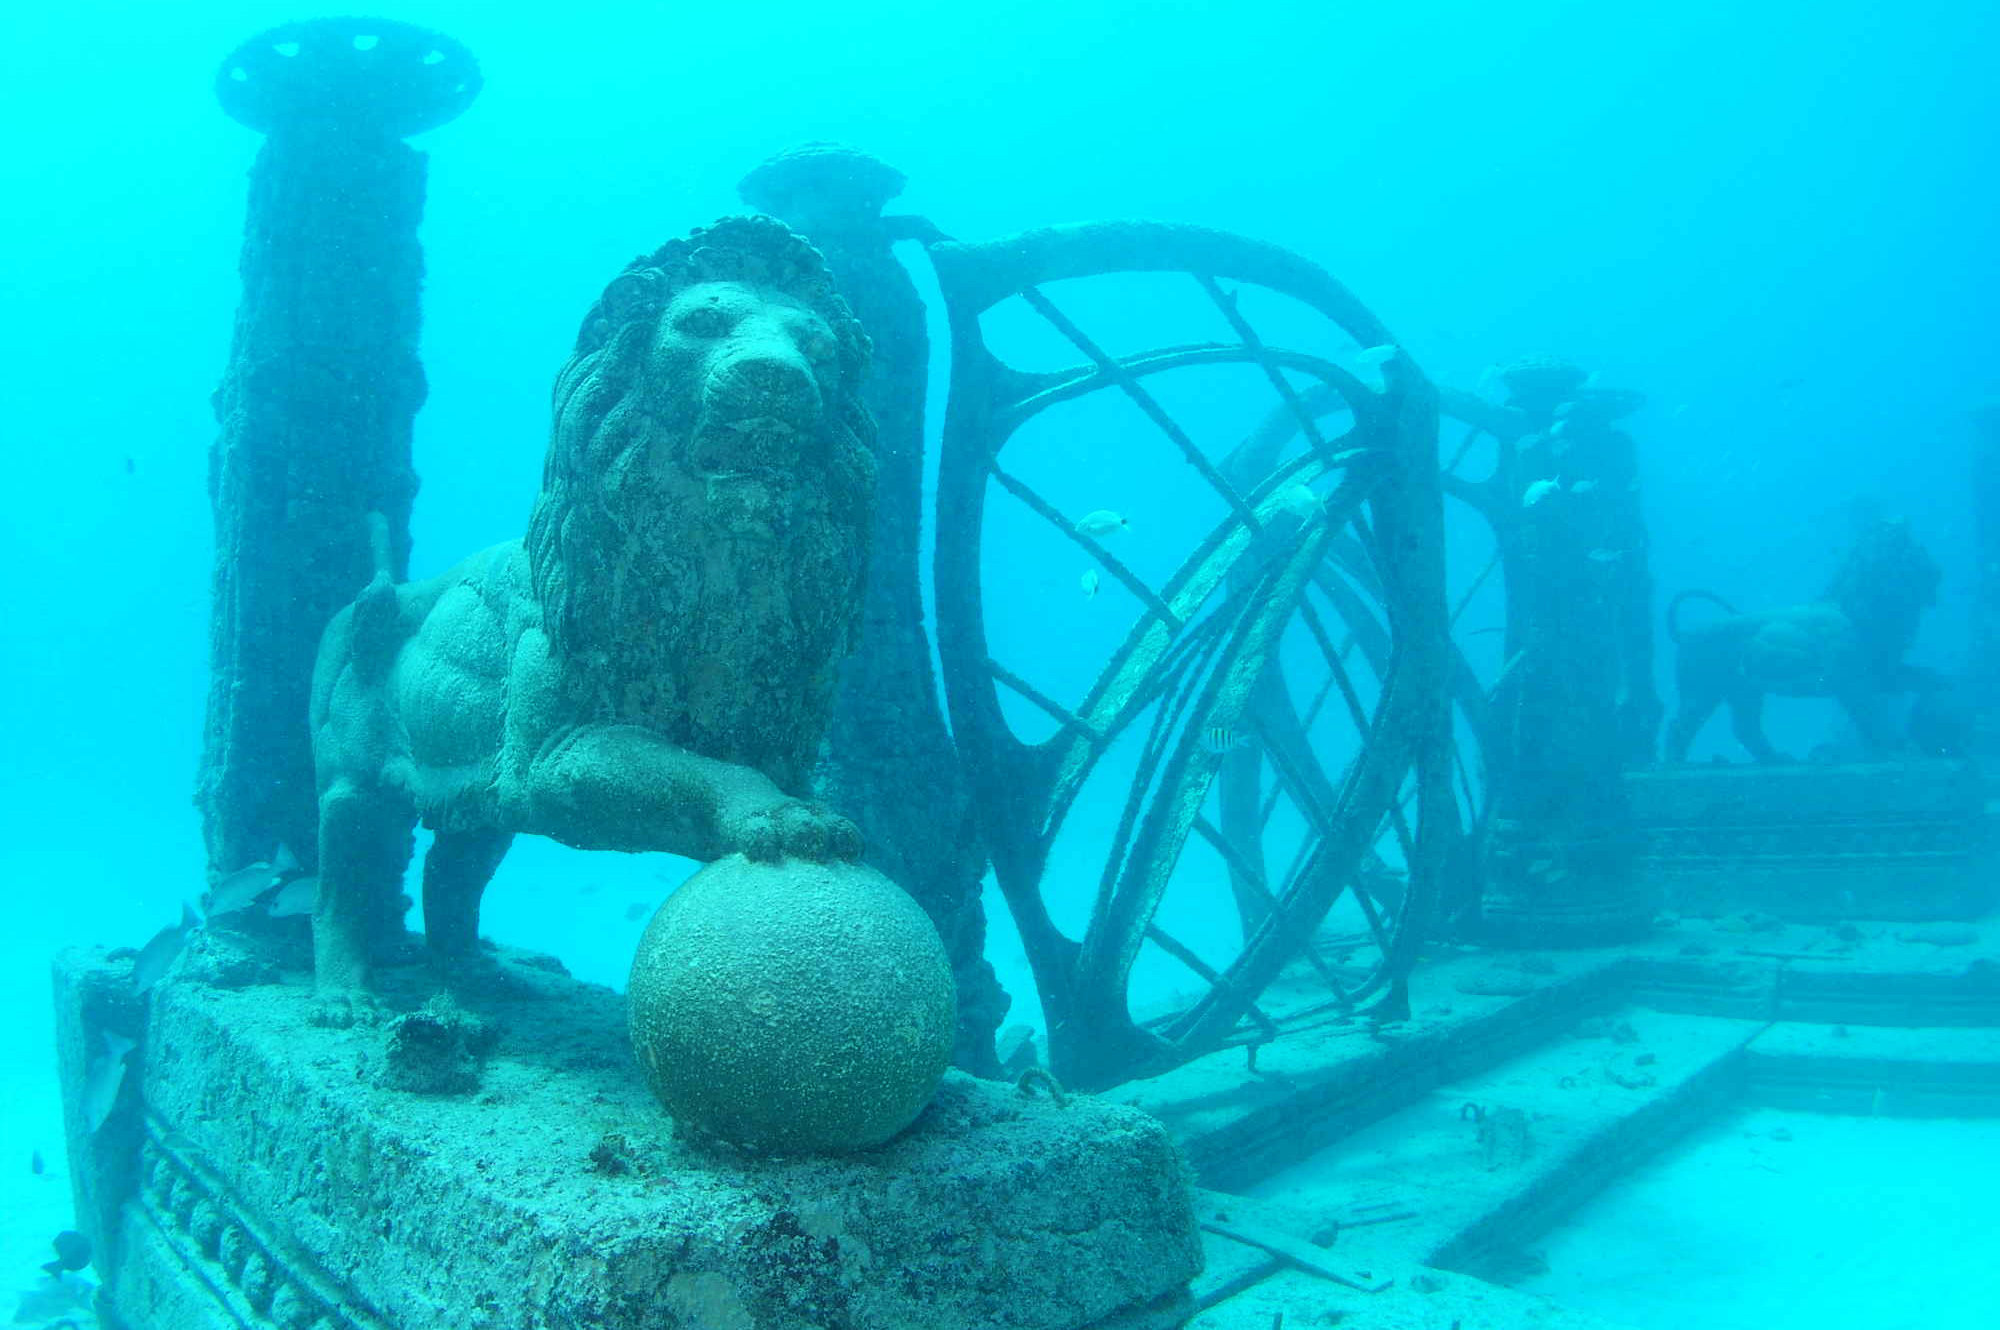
607	413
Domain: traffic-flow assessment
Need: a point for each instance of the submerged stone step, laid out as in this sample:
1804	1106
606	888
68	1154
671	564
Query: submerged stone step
1872	1070
1241	1120
1500	1157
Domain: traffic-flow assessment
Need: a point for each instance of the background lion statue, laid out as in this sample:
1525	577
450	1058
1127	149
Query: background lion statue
1848	646
652	669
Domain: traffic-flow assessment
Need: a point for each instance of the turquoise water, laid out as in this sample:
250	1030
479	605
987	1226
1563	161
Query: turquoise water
1775	221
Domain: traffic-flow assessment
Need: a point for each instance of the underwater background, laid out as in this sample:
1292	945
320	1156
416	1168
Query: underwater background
1775	220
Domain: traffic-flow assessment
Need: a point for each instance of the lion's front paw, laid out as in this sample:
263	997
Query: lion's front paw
344	1008
798	830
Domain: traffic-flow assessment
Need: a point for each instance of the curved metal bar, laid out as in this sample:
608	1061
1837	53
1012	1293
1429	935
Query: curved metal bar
1226	608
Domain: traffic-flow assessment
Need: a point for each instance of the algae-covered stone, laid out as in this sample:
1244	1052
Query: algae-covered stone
792	1006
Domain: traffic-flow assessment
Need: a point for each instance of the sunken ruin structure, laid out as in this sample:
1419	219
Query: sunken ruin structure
1359	861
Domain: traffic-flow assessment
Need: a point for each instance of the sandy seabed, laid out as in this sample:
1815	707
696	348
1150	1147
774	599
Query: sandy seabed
1790	1221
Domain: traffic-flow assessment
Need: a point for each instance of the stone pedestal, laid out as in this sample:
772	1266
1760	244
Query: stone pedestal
1564	884
280	1182
1896	841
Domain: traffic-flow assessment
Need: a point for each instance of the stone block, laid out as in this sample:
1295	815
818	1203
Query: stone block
284	1182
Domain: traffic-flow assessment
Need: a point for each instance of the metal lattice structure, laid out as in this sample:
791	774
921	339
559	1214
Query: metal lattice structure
1335	547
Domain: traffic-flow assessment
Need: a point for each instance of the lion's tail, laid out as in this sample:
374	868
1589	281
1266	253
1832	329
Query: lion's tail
378	627
1674	610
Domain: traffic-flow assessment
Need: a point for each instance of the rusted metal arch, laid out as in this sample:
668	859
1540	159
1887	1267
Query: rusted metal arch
1198	650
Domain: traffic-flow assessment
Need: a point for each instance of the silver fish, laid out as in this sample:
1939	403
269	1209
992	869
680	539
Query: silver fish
1377	355
1090	581
1299	500
1606	556
1538	491
239	890
296	897
157	956
1583	487
103	1078
1102	522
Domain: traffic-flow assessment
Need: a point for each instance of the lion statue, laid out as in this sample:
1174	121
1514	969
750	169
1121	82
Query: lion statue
652	668
1848	646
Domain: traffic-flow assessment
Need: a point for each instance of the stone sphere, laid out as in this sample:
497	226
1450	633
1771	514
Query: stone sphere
794	1007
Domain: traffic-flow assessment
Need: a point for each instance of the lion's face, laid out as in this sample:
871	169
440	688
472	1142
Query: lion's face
699	545
763	366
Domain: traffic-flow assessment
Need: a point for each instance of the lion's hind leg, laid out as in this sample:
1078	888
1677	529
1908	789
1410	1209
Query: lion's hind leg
1746	720
456	871
1691	711
366	838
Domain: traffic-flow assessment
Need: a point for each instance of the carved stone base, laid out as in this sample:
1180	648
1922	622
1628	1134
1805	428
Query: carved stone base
1891	841
1563	886
281	1183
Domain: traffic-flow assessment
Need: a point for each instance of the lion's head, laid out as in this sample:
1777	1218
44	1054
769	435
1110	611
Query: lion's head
1884	585
699	541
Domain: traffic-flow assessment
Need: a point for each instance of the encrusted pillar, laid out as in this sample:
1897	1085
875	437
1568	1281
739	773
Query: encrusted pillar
890	764
1984	667
1578	702
322	386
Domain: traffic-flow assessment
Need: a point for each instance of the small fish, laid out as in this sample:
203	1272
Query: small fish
1090	581
1591	382
1541	866
296	897
72	1253
35	1164
1606	556
131	466
1563	409
1557	430
1348	456
103	1078
239	890
157	956
1538	491
1377	355
1103	522
1299	500
1487	377
1678	412
1220	740
635	911
1583	487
